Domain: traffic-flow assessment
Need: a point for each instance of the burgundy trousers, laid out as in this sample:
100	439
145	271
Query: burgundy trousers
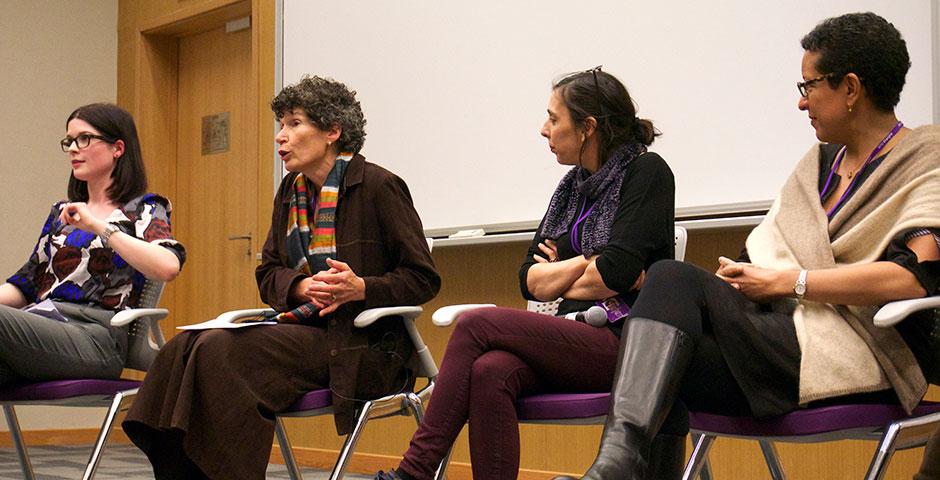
494	356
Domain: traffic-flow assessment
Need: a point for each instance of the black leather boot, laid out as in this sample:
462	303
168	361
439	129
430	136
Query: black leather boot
652	360
667	457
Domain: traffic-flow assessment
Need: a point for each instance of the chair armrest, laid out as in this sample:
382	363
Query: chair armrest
368	317
892	313
233	315
125	317
445	316
408	314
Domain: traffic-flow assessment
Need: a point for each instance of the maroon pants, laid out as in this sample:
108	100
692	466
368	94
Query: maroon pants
494	356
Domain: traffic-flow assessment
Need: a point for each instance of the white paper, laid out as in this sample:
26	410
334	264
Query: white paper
216	323
47	309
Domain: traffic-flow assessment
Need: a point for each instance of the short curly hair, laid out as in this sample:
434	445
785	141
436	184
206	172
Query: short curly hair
864	44
327	103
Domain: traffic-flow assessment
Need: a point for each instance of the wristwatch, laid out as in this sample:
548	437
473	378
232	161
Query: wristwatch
106	234
799	288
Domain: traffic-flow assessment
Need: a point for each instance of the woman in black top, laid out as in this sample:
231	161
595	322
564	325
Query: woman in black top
790	322
610	218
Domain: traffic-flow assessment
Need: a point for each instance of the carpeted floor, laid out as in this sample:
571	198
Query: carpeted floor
120	462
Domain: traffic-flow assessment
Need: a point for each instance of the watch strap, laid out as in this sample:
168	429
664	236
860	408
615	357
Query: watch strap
799	288
109	230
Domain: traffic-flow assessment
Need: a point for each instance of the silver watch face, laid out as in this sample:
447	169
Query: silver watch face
799	289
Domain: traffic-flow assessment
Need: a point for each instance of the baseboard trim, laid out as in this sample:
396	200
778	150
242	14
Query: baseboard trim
72	436
369	463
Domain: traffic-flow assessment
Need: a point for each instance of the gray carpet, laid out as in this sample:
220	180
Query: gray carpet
119	462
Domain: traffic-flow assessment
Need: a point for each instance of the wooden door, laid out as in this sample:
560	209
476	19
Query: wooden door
216	176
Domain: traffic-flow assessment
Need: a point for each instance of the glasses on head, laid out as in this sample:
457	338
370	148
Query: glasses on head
804	86
82	141
597	88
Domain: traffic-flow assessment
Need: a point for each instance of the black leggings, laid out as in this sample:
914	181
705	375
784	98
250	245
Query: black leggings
689	298
740	346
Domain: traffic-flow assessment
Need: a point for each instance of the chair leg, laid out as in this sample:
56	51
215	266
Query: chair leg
441	472
339	470
417	406
879	462
706	472
120	403
699	457
289	461
772	460
18	443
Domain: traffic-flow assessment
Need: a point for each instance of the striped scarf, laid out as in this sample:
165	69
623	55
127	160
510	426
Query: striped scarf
307	251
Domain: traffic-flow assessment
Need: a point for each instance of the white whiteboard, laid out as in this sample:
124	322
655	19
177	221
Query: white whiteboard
455	92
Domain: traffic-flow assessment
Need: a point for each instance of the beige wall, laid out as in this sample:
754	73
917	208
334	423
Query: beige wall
54	56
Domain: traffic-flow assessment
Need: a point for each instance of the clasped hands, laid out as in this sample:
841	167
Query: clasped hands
328	289
756	283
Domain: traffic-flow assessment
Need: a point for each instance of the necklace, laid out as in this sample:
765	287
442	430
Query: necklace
874	153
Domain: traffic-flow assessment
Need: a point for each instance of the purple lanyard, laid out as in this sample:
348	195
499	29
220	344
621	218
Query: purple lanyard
835	166
574	235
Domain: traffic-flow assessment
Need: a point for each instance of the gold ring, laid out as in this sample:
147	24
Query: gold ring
333	296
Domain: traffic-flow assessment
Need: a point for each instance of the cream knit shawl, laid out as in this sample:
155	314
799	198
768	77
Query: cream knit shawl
842	351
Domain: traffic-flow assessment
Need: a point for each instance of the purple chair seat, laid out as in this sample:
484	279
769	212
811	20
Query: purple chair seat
62	389
561	406
810	421
312	400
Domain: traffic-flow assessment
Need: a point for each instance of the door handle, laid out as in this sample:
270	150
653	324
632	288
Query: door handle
247	236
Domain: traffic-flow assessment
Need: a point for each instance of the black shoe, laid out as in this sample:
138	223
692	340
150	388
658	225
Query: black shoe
392	475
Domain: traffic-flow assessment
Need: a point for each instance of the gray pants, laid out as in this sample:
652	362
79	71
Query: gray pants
35	348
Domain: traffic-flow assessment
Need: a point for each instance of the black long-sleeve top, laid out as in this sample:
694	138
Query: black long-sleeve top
642	232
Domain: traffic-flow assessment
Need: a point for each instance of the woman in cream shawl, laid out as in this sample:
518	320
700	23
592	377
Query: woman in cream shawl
790	322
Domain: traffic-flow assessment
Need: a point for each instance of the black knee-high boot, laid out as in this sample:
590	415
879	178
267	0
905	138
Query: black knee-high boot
652	360
930	466
667	457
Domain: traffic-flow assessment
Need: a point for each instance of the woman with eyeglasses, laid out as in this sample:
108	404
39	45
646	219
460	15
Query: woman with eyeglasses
610	218
91	259
789	323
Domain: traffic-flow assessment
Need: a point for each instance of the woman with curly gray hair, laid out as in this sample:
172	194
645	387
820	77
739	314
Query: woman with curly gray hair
344	237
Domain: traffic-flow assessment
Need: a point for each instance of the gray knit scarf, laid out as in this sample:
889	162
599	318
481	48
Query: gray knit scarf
602	188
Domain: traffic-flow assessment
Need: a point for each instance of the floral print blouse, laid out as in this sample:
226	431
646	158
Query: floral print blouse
72	265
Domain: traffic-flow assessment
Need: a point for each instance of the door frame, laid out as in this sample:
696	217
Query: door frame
148	40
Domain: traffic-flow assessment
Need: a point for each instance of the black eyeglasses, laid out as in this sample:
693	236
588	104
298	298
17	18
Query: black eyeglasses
803	87
82	141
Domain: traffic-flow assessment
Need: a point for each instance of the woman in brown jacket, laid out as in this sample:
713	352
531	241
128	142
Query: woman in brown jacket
353	242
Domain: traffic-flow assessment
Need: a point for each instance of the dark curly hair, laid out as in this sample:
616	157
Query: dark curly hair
327	103
864	44
128	177
608	101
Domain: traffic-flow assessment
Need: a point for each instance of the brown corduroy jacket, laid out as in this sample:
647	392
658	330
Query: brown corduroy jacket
380	237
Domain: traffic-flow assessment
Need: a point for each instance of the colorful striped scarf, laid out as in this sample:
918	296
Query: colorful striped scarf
307	251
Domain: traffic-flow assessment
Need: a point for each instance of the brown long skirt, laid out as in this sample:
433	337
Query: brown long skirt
210	396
